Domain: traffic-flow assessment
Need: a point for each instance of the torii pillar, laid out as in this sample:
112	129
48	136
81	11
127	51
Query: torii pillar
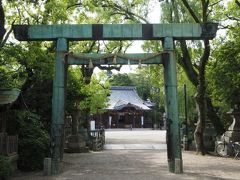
58	105
173	128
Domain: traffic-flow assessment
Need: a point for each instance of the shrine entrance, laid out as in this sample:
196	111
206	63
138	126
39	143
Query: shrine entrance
166	33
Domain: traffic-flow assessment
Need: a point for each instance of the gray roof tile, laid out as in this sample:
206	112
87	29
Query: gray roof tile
125	96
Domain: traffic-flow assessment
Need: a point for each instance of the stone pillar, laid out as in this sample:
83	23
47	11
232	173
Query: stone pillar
76	142
109	122
47	163
142	121
92	125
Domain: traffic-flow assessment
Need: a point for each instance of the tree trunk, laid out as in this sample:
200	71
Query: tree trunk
75	118
201	100
2	22
198	133
214	118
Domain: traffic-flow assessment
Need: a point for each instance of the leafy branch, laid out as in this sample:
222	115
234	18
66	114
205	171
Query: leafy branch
190	10
237	2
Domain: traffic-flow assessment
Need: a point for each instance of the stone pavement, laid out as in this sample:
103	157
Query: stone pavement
135	136
138	164
135	139
135	146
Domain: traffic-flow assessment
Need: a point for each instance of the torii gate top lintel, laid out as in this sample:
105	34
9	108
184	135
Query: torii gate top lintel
75	32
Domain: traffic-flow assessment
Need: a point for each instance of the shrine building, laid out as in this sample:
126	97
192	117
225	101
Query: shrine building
126	109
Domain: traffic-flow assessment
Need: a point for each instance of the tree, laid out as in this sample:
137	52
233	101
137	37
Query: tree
121	80
193	62
96	93
223	73
83	99
29	65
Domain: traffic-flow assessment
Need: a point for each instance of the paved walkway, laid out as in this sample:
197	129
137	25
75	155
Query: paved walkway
139	165
135	139
135	146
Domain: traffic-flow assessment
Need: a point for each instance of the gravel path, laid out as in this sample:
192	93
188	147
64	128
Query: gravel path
139	165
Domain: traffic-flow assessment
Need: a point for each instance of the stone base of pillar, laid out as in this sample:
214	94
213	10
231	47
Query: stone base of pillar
57	167
178	166
47	166
171	166
175	166
76	144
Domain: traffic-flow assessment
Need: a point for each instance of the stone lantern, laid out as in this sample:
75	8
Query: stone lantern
233	132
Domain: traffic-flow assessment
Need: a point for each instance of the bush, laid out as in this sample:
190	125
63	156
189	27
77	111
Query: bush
4	168
33	145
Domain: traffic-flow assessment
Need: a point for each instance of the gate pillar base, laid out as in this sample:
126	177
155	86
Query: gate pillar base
175	166
47	166
57	167
171	166
178	166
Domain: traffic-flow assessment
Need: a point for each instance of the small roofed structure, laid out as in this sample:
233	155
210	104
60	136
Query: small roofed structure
126	109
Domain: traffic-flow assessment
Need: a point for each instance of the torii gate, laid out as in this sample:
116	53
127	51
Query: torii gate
167	33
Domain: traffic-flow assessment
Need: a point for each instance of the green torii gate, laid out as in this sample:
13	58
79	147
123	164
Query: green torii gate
167	33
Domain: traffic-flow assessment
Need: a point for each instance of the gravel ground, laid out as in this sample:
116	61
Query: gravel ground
138	165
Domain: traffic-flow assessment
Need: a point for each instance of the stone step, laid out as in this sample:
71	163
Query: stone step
135	146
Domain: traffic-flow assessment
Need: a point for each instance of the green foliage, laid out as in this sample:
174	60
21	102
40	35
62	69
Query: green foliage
142	82
92	96
120	80
224	72
11	73
96	96
5	168
121	11
224	76
226	13
33	139
29	68
74	85
190	97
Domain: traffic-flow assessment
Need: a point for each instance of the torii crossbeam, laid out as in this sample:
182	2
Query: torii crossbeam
113	59
167	33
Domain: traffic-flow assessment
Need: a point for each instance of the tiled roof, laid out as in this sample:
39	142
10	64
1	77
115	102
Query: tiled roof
125	96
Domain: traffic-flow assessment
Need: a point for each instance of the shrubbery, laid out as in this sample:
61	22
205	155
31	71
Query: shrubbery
4	168
33	144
